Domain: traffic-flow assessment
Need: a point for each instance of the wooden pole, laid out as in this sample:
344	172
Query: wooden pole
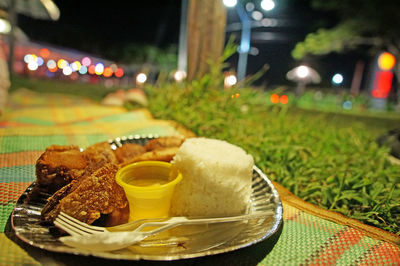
205	36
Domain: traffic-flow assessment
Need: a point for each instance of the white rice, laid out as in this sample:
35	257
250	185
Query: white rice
216	179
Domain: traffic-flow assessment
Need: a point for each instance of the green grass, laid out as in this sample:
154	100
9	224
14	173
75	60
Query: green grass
330	159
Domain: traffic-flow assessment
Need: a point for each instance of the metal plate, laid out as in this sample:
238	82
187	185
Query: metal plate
182	242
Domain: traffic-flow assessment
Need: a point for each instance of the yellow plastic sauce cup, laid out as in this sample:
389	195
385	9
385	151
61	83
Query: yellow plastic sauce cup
148	186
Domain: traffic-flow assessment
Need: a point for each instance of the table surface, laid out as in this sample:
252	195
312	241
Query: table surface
34	121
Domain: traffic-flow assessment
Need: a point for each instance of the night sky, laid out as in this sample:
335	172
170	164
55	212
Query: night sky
97	26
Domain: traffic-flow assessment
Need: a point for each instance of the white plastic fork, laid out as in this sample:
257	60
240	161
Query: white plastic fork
96	238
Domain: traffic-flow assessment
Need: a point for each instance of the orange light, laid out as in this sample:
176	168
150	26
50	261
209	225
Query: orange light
284	99
44	52
386	61
237	95
107	72
119	72
274	98
92	69
54	69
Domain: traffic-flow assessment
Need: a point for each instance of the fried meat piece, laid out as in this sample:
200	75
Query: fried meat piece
164	142
128	151
165	154
58	166
86	199
98	155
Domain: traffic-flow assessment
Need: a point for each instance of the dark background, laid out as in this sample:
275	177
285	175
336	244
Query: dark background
99	27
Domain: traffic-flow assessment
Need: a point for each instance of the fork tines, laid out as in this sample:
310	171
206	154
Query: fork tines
76	227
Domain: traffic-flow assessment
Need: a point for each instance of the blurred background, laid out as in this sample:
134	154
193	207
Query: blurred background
348	48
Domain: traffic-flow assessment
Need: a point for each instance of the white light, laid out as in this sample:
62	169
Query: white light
230	3
256	15
67	70
250	6
267	5
5	26
302	71
141	78
179	75
99	68
230	80
28	58
51	64
32	65
337	78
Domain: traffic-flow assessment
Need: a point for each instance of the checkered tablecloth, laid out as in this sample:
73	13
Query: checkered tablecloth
32	122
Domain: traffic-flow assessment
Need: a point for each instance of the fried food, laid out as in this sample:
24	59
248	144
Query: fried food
82	184
164	142
58	166
86	199
165	154
128	151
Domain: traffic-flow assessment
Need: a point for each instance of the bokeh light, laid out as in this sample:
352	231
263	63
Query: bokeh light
302	71
67	70
39	61
51	64
141	78
267	5
119	72
99	69
86	61
347	105
179	75
75	65
107	72
284	99
386	61
44	52
32	66
230	3
62	63
230	80
92	70
337	79
274	98
83	70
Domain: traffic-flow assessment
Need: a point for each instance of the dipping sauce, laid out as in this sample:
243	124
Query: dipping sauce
148	186
147	181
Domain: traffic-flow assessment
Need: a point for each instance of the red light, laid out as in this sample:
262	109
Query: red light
92	70
119	72
44	52
107	72
284	99
382	84
274	98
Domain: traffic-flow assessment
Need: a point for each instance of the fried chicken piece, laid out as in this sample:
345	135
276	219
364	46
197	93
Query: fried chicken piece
164	142
128	151
58	166
86	199
165	154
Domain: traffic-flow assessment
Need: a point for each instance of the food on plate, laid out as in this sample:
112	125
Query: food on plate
164	142
69	174
58	166
128	151
217	179
89	197
163	154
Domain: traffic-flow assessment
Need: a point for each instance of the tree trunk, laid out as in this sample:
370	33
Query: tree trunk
206	35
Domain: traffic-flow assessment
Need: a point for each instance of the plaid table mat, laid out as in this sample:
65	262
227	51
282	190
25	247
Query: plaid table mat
309	236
